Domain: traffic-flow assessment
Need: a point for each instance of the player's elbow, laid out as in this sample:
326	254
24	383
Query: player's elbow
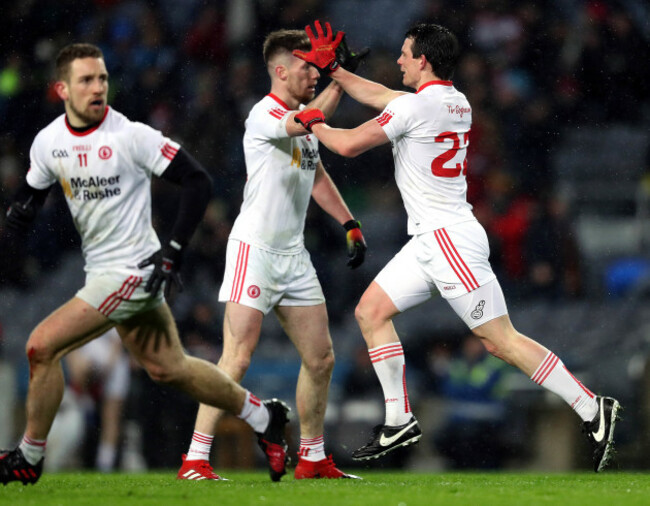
349	151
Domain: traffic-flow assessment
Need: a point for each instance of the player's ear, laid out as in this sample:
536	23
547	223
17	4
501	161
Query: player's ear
281	72
423	62
61	88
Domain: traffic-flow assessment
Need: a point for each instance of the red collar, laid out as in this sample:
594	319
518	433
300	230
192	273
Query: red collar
432	83
279	101
85	132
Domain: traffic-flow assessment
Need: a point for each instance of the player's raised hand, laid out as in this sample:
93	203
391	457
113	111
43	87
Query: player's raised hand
349	59
356	243
323	48
309	117
167	267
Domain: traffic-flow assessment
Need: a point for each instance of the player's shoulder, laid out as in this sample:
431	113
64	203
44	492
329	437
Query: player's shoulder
51	131
269	107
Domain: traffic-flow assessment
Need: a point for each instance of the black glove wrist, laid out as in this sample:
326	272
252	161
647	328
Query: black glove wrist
167	267
350	224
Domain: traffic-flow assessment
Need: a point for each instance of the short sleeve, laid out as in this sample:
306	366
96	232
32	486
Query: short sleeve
39	176
268	121
151	149
395	119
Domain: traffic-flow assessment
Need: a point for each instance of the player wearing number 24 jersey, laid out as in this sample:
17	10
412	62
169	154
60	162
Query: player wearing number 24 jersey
448	253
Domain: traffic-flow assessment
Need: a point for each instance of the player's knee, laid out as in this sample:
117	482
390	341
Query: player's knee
39	349
367	315
321	365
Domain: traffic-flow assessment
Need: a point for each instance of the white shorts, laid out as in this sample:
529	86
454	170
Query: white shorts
262	280
119	293
453	262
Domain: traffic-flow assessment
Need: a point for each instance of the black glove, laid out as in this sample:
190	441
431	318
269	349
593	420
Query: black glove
167	269
348	59
20	216
356	243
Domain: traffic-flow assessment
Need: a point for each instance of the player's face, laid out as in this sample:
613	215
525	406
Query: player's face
409	66
86	91
302	80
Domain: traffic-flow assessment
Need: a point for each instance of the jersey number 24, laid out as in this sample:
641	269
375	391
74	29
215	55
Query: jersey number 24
437	165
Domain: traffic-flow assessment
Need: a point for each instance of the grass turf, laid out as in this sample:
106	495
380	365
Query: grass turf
377	489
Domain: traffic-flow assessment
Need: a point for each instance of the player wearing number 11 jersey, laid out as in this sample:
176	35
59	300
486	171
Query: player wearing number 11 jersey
448	253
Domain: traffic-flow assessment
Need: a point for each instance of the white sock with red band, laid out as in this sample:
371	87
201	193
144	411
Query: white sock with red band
553	375
33	449
200	446
388	361
255	413
312	448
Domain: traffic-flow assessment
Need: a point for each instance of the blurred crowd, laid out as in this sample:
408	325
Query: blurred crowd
193	69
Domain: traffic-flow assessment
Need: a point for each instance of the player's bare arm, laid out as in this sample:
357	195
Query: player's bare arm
327	101
327	196
351	142
363	90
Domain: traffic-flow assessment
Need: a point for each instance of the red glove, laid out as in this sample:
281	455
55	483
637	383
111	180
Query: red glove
323	48
309	117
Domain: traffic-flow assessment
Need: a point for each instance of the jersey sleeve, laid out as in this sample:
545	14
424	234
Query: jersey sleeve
39	175
396	118
151	149
268	121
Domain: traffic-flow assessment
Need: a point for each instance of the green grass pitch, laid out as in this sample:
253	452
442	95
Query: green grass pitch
377	489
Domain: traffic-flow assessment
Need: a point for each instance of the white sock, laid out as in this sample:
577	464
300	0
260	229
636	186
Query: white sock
255	413
312	448
200	446
553	375
106	454
388	361
33	449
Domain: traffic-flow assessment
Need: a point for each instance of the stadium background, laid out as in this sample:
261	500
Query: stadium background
558	171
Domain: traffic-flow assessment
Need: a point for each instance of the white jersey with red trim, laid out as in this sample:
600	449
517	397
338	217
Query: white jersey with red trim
105	173
280	172
429	133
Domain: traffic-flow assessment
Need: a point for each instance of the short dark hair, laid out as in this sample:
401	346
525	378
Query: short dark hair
70	53
438	45
282	41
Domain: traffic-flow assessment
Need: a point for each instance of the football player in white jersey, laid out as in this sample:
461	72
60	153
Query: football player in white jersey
448	252
104	163
267	265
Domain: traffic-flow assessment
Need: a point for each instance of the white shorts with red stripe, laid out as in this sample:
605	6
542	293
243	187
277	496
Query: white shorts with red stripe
262	280
451	261
119	294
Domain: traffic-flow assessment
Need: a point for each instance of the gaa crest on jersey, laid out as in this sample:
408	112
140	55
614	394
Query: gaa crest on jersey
253	291
105	152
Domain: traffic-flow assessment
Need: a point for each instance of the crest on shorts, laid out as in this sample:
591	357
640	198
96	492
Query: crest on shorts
477	314
253	291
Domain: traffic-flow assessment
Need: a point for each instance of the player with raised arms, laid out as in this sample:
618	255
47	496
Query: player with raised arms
448	253
267	265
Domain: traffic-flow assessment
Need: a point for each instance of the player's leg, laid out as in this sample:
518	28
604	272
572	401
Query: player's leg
241	330
153	340
307	327
399	286
487	305
598	413
70	326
